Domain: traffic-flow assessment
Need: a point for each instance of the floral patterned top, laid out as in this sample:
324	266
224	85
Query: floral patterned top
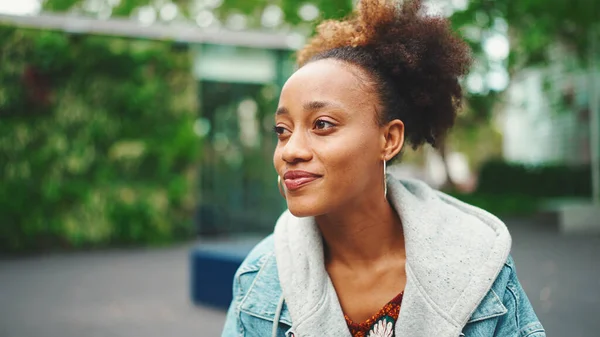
379	325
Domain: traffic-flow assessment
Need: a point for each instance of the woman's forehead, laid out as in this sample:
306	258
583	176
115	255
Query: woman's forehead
329	80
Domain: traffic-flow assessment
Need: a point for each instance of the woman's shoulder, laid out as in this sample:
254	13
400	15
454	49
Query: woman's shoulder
256	282
507	301
258	256
506	275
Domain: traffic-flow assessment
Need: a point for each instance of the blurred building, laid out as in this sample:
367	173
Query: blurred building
552	118
548	115
547	120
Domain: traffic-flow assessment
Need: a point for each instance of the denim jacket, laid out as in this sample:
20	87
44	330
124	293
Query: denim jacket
461	280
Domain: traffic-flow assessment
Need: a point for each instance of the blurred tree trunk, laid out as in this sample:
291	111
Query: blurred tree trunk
443	150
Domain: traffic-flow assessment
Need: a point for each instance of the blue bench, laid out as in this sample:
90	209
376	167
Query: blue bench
212	267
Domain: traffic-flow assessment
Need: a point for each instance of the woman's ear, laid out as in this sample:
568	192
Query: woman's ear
394	138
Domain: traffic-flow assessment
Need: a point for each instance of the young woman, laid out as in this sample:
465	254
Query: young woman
359	253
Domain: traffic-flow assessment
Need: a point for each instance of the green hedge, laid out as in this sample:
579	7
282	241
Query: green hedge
96	141
501	205
548	181
510	189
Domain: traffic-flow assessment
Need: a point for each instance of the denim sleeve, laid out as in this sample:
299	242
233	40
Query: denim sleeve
520	320
233	326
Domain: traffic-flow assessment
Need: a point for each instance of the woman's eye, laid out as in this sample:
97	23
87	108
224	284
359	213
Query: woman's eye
279	130
322	124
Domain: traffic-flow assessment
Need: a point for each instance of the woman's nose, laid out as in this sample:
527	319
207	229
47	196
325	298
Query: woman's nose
297	148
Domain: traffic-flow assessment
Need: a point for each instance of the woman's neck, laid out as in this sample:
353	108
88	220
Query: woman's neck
362	234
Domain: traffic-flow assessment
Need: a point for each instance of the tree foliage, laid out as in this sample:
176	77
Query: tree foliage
534	25
96	140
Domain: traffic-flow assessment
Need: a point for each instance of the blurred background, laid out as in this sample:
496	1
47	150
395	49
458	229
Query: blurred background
135	134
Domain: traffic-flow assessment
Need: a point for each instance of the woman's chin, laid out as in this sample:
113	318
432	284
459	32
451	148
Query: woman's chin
301	207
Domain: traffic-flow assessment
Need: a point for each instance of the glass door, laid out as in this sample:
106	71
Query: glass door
238	184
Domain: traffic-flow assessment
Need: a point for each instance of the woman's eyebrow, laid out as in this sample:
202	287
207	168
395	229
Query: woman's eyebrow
317	105
282	111
309	106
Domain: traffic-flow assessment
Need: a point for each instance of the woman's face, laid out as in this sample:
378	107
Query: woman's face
331	149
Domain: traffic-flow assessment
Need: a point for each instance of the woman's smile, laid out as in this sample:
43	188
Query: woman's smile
296	179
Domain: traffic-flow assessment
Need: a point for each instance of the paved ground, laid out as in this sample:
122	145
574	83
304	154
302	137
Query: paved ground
561	275
145	292
102	294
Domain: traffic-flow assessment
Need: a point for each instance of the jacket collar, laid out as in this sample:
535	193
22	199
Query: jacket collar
261	299
454	253
490	306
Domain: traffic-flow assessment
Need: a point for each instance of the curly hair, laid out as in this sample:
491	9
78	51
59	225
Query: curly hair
414	60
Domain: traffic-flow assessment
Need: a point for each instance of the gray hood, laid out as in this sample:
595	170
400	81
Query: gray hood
454	252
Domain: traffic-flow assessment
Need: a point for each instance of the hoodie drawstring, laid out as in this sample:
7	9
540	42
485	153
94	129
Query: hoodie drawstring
277	316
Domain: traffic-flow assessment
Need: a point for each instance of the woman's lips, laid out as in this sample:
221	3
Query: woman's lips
295	179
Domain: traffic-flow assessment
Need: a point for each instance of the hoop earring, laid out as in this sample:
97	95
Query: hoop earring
384	179
281	188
